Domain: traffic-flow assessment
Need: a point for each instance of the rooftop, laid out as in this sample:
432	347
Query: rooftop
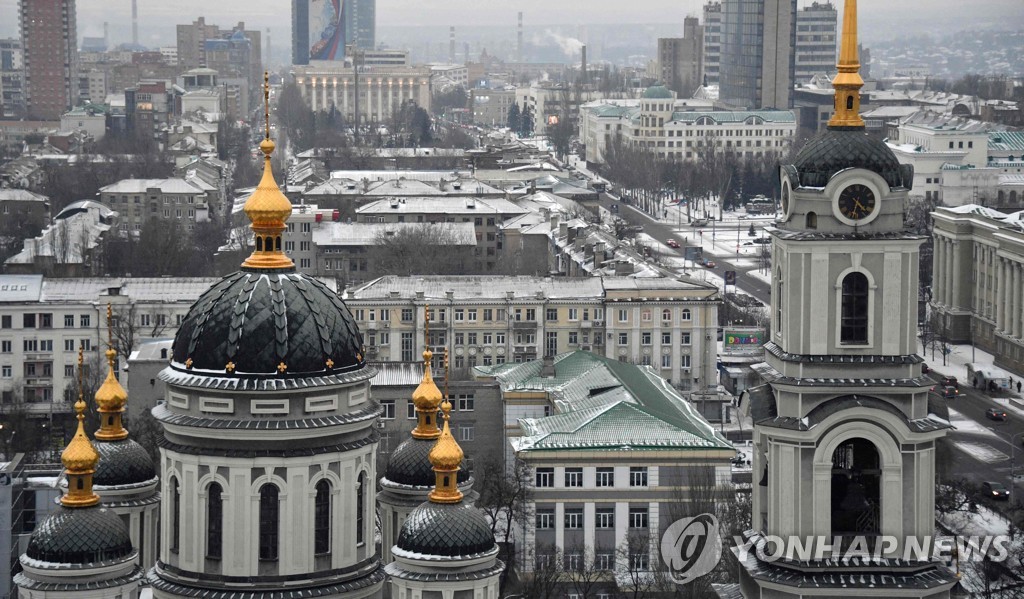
141	186
441	205
363	234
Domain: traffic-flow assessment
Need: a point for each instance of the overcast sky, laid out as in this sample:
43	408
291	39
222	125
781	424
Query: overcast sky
157	18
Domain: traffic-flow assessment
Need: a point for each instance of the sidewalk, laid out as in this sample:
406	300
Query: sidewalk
956	365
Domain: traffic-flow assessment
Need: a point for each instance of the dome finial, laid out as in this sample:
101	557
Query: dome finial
848	82
445	456
111	396
80	457
427	396
267	207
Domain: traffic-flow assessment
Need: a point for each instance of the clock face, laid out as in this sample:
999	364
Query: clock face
785	199
857	202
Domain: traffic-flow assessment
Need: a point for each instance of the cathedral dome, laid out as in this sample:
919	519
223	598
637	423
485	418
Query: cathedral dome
657	92
261	322
448	530
838	149
409	464
80	536
123	463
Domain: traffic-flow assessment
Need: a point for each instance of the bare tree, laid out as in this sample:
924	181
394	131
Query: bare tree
427	249
582	572
504	498
544	581
131	324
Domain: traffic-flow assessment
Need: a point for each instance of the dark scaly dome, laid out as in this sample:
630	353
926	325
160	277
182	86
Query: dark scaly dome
255	321
80	536
408	464
838	149
449	530
123	463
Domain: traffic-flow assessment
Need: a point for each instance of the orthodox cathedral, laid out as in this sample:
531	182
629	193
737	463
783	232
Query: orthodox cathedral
267	462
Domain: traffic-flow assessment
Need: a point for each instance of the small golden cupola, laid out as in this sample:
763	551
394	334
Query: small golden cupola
445	456
80	457
111	396
427	397
847	82
268	208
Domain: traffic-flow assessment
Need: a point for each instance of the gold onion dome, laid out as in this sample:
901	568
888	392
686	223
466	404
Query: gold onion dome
80	459
445	456
427	396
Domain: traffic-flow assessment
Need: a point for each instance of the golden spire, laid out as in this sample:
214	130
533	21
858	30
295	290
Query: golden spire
427	396
80	457
446	455
111	396
267	207
848	81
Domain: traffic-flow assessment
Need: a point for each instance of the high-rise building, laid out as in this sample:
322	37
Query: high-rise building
322	29
237	52
12	72
758	37
712	41
681	59
815	41
50	44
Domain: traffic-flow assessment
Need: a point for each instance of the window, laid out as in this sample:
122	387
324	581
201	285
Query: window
666	360
604	561
466	432
573	519
5	347
666	338
360	508
488	314
574	477
574	338
388	406
685	314
466	403
623	338
69	345
407	315
175	514
605	518
471	315
623	315
28	321
640	561
86	344
30	345
46	345
574	314
638	476
666	315
645	315
645	338
573	563
471	338
214	521
410	410
638	517
7	372
69	321
270	512
5	321
460	314
545	477
551	314
684	339
684	361
531	314
854	325
322	518
606	477
545	520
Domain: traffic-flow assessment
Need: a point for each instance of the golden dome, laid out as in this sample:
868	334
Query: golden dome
847	82
110	399
427	396
445	456
80	459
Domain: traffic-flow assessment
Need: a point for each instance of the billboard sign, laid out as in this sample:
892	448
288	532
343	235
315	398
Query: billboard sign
326	30
742	340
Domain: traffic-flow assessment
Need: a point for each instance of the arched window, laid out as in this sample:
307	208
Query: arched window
175	514
812	220
270	515
685	314
322	518
214	522
856	492
849	102
779	299
259	243
360	508
666	315
854	317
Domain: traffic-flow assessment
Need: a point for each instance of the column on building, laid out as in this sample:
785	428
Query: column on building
937	270
312	93
1004	293
344	97
334	92
1017	308
957	275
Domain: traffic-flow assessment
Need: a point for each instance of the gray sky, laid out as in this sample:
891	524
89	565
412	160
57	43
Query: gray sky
157	18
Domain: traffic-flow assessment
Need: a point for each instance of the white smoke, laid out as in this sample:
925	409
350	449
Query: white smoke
569	45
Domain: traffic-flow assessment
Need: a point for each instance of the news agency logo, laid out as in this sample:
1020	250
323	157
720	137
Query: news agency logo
691	548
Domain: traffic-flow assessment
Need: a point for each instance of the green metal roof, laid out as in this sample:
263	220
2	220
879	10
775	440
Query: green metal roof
655	92
736	116
1006	141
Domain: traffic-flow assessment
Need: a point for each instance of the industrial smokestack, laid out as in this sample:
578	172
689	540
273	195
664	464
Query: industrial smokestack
583	66
135	23
451	45
519	39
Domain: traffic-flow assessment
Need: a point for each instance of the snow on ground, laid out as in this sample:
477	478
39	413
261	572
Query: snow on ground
982	452
964	424
645	239
760	276
956	365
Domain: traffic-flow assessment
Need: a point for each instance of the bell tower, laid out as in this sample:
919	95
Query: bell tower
844	432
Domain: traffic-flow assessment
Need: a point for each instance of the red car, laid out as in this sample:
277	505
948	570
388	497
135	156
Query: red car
672	243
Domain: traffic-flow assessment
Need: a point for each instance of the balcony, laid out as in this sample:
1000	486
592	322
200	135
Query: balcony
524	325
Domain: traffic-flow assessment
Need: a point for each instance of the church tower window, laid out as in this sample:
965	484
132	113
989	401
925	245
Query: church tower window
175	515
360	508
854	326
856	491
322	518
214	522
270	512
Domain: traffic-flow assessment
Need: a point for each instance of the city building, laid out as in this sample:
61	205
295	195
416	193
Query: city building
757	53
50	55
815	50
90	120
28	495
24	206
139	200
69	246
43	321
324	30
192	49
12	73
978	280
712	42
490	106
681	59
844	433
361	23
482	320
382	90
613	457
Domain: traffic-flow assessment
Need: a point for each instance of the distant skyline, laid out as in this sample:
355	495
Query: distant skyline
157	19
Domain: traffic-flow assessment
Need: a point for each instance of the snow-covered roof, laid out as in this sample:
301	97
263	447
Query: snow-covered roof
141	186
440	205
363	234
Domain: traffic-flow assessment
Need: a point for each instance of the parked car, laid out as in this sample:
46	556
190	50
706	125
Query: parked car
995	414
672	243
946	391
709	263
950	381
995	490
